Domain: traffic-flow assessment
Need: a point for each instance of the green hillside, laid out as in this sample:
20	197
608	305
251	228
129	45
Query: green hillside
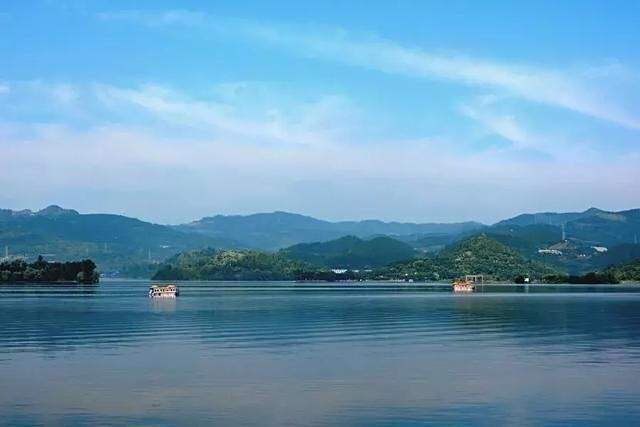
210	264
477	255
619	254
626	272
351	252
593	239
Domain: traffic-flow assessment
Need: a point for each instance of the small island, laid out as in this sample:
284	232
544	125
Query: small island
41	271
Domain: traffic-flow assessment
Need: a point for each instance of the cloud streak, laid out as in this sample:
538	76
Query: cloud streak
248	112
582	91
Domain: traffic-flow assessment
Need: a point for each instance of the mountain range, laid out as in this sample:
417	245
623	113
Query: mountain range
277	230
110	240
574	241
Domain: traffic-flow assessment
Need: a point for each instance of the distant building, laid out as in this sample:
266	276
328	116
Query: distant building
550	251
339	270
600	249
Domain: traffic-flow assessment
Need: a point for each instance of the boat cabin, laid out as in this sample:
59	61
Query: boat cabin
163	291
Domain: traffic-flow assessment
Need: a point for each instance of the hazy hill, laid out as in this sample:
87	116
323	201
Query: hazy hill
351	252
111	240
278	230
593	226
548	218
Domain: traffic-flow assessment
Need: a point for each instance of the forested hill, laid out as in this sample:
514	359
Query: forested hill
211	264
477	255
627	272
351	252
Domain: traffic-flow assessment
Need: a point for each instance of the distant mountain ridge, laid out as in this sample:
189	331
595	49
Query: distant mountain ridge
49	211
278	230
110	240
594	226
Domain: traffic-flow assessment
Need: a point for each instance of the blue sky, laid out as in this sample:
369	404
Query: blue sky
413	111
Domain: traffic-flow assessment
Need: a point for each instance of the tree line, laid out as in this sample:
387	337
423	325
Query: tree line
40	271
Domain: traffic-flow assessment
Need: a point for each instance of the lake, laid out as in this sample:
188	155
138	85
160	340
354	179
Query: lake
281	353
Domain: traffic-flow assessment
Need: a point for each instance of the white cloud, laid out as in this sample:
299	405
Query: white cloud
505	126
315	122
248	112
254	156
582	91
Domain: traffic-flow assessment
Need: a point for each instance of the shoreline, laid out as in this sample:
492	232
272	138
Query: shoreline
355	284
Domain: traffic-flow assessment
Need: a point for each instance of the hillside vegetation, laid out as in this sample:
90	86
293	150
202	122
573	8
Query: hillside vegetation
627	272
351	252
17	271
210	264
477	255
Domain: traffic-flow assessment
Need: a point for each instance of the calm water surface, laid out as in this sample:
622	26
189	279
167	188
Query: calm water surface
278	354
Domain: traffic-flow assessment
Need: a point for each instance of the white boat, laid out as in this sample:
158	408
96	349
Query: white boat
463	286
163	291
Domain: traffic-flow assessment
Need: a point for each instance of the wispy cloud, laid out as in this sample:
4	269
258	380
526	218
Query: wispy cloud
112	165
226	166
315	122
581	91
505	126
249	112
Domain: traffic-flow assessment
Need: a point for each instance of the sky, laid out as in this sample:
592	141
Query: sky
408	110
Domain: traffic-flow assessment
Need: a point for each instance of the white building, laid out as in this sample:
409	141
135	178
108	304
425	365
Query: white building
550	251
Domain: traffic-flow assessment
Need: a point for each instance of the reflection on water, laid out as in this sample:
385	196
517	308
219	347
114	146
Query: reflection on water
162	305
247	353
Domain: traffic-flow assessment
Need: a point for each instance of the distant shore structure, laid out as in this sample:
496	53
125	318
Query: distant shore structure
163	291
